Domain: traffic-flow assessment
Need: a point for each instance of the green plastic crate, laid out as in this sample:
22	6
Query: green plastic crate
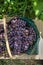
34	48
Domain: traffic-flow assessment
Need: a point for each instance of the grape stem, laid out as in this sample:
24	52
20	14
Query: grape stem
7	43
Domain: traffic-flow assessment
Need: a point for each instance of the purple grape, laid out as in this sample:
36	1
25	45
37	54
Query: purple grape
2	41
20	37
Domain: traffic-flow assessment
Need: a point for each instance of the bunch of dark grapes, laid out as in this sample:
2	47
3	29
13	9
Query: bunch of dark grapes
2	41
20	36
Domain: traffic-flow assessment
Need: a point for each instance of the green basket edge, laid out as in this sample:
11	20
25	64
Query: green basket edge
34	49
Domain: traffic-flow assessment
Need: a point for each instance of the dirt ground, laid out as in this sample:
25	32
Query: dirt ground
39	24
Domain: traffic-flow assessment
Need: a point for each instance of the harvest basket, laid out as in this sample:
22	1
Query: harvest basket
33	50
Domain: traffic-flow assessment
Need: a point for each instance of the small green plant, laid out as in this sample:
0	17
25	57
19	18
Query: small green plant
28	8
20	62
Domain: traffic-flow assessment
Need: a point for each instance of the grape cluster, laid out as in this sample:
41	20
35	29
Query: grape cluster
2	39
3	50
20	36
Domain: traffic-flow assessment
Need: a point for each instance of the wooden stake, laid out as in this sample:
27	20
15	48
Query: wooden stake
5	31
